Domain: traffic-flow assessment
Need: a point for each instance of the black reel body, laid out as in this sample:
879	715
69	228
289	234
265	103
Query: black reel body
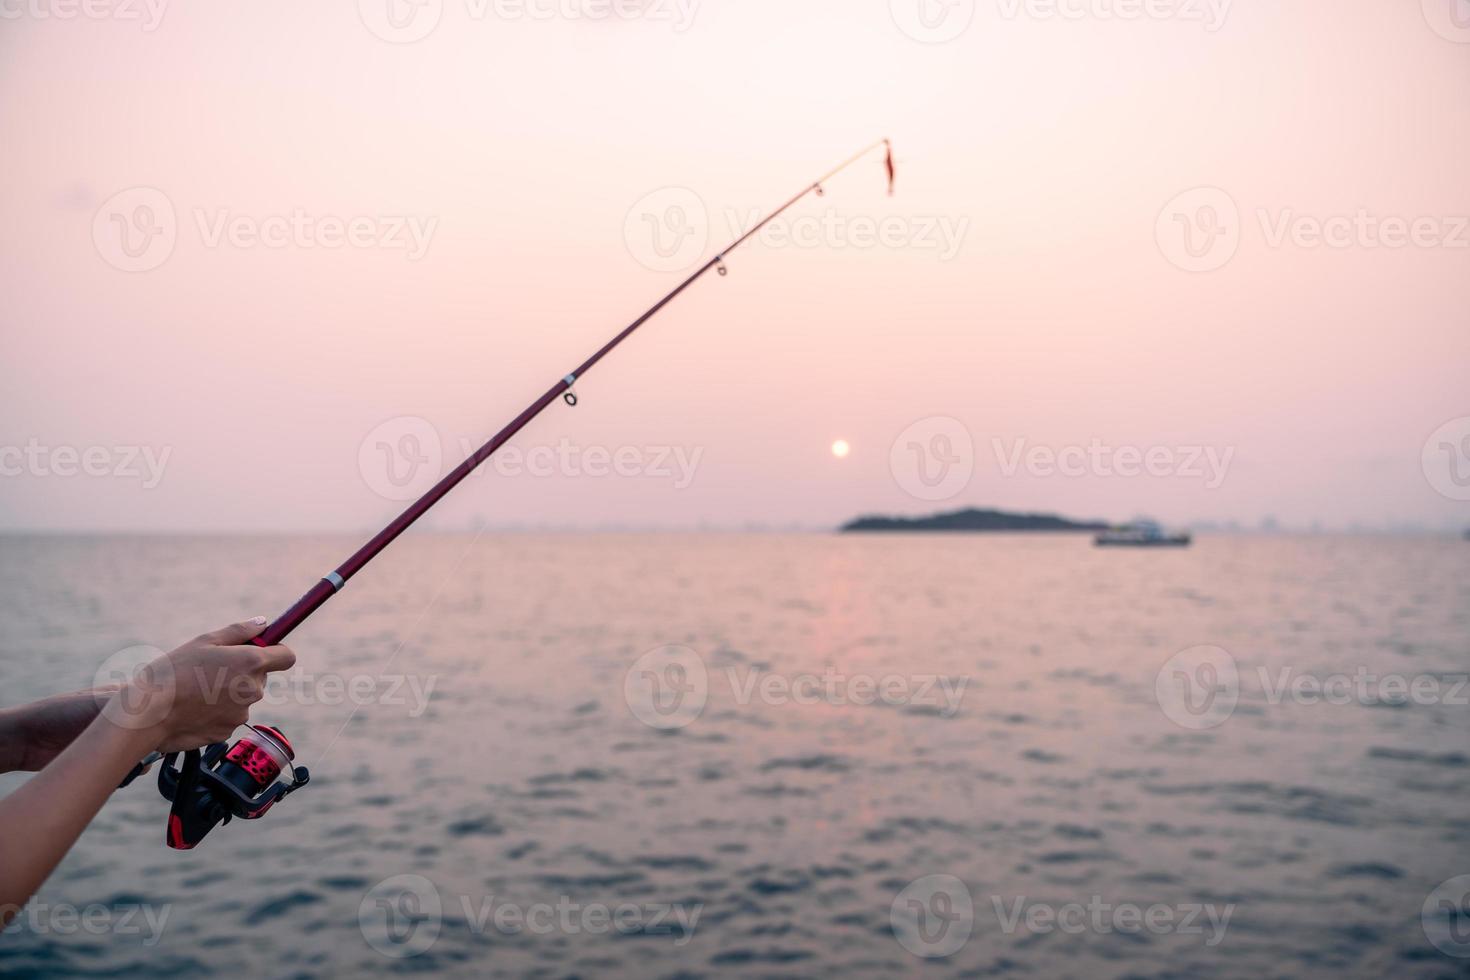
223	781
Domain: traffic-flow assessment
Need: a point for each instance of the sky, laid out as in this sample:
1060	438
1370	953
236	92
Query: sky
274	268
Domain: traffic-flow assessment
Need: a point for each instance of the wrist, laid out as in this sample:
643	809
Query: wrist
139	716
130	741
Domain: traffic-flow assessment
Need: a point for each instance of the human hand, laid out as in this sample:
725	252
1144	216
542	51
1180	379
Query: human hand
201	692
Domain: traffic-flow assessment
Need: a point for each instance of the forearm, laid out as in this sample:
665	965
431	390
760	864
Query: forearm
31	735
20	734
12	739
43	818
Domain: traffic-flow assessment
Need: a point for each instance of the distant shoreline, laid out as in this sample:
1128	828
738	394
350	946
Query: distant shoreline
347	534
974	520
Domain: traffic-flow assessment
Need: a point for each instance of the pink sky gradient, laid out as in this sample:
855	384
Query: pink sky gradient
1060	319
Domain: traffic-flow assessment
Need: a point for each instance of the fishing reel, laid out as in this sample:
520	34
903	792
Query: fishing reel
223	781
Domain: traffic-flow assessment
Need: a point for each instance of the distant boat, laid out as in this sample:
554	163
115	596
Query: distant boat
1142	533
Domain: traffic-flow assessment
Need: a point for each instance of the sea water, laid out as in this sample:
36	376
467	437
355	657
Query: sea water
788	755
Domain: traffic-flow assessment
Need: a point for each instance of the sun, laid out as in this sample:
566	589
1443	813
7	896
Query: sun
840	449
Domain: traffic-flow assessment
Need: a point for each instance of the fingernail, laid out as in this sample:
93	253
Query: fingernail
257	621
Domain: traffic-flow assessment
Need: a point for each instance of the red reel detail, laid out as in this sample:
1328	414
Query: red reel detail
271	731
176	834
258	760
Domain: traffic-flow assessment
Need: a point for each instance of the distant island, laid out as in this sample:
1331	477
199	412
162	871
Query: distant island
973	519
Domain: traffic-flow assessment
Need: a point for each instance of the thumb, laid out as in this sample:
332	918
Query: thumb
236	633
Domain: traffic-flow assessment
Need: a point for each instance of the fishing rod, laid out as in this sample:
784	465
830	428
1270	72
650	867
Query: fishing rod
242	780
